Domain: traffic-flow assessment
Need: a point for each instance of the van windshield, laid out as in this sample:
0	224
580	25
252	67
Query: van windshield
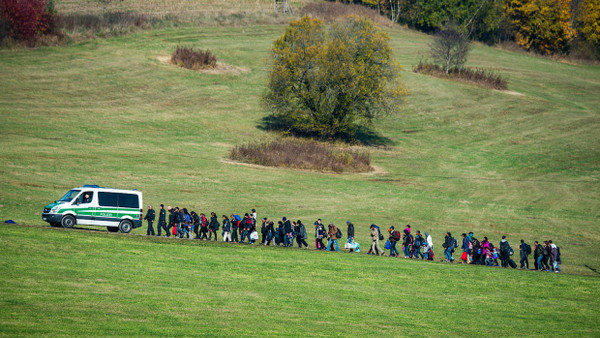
68	197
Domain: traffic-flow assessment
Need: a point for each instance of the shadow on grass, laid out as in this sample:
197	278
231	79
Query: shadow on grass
364	135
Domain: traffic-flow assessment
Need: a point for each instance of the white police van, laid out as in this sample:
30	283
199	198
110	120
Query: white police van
115	209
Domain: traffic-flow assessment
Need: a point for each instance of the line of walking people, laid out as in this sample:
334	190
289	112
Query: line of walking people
184	224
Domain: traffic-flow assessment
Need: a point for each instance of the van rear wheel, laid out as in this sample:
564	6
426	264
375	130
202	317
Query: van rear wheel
112	229
125	227
68	221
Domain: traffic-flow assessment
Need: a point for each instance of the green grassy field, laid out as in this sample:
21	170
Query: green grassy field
58	282
108	112
524	163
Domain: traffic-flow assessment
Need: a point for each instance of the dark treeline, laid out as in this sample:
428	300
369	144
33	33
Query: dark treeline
543	26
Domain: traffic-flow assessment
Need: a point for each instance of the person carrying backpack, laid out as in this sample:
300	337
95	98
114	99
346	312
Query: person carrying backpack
449	244
246	228
213	226
393	239
196	224
301	235
419	242
333	237
235	224
406	244
524	252
375	248
270	234
505	252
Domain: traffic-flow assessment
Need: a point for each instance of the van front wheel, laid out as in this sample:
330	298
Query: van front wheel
125	227
68	221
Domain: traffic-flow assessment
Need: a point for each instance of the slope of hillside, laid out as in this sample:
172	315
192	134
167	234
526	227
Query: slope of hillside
66	282
460	157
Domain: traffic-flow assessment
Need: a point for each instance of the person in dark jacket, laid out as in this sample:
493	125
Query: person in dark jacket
394	238
263	231
150	215
448	247
279	233
246	225
213	226
196	224
226	229
235	224
288	238
162	220
524	254
301	235
350	233
179	222
546	255
505	252
171	220
408	241
419	242
270	234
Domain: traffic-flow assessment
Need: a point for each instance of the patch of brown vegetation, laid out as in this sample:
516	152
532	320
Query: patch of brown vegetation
303	154
331	11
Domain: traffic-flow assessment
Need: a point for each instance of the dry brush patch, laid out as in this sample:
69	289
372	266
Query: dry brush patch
330	11
303	154
477	76
190	58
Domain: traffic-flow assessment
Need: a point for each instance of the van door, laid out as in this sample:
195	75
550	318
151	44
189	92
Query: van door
84	209
107	211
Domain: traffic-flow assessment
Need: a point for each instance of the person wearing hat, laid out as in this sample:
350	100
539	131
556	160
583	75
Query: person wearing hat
332	235
350	233
375	248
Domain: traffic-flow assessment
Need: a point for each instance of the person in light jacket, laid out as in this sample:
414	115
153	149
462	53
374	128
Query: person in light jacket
375	248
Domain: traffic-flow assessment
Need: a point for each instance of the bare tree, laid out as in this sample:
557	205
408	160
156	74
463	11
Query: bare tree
450	48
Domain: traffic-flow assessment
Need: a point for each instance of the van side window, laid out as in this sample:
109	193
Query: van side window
128	201
86	197
108	199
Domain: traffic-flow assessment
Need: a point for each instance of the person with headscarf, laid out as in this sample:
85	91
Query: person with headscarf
428	246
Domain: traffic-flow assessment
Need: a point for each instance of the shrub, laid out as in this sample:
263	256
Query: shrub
450	48
303	154
189	58
473	75
330	81
28	20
